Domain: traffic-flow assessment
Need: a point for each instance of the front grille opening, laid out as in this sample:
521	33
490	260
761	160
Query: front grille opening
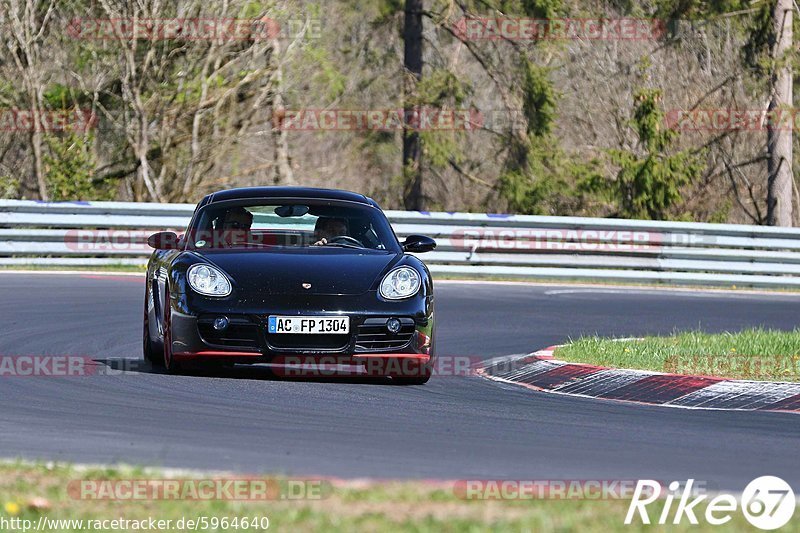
374	337
240	333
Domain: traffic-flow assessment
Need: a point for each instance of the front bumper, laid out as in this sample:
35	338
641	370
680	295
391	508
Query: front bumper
246	340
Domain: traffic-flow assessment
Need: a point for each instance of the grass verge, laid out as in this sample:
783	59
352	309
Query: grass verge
754	354
28	492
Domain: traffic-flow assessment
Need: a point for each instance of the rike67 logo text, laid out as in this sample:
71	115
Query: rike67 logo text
767	502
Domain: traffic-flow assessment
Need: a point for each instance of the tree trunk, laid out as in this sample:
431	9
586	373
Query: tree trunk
414	197
283	174
36	145
143	142
779	138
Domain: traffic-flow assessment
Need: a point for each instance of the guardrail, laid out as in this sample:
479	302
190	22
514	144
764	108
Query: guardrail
541	247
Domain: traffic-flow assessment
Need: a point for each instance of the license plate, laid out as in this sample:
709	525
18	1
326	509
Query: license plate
309	325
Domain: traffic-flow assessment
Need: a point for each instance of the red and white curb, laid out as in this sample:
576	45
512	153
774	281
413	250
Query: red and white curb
539	371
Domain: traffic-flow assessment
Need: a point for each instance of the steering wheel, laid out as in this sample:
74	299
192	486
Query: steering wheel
347	239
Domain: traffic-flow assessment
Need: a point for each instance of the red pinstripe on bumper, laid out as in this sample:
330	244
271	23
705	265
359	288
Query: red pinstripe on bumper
217	354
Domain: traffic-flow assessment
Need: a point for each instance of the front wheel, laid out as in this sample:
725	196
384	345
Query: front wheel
152	355
170	364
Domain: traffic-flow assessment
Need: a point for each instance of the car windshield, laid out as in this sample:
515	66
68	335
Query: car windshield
296	224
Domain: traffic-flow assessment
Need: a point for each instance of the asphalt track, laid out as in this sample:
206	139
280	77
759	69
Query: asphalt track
452	428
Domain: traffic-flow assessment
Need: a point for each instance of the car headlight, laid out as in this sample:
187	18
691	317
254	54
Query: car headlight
208	280
400	283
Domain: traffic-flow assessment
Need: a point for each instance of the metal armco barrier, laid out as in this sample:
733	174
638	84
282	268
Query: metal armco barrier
470	244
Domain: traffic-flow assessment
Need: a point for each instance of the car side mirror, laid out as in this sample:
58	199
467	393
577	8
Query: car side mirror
164	240
418	244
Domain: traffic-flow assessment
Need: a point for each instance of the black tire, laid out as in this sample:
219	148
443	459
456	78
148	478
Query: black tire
170	364
155	357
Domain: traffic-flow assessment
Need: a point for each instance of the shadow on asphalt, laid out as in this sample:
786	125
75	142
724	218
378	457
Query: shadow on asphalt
120	366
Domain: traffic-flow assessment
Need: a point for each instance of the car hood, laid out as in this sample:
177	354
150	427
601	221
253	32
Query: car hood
333	271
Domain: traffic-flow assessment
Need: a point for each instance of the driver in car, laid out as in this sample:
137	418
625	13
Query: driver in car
327	228
235	225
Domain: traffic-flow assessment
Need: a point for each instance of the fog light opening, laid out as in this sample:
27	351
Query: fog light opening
393	325
221	323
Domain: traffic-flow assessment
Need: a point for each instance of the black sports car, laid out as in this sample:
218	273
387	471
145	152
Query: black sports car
290	275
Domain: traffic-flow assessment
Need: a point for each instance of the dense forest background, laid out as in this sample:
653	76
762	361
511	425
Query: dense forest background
564	125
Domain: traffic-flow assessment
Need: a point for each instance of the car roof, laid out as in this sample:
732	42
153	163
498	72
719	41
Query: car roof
285	192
